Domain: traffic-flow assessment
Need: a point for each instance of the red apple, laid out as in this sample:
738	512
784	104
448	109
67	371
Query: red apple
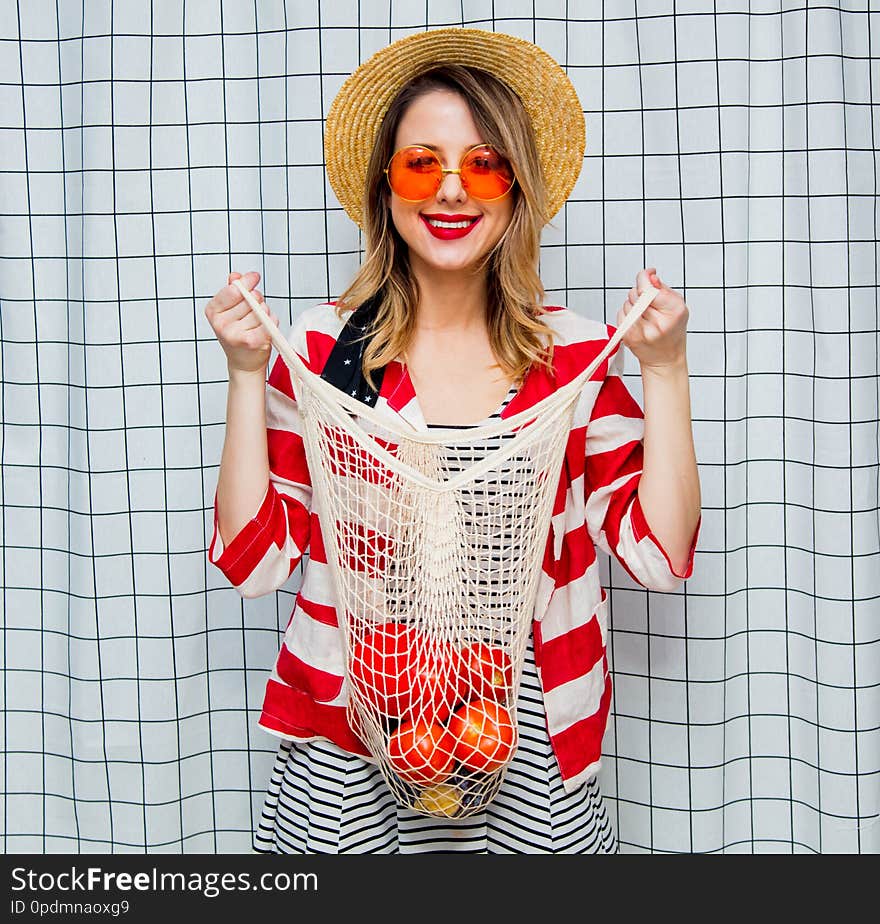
382	670
402	673
488	669
439	683
421	752
484	733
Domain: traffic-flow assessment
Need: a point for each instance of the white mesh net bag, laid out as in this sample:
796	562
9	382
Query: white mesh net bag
436	540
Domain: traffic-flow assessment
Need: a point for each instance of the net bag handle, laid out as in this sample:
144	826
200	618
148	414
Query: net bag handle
333	397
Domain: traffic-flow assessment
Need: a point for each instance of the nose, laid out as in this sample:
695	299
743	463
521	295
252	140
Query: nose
451	187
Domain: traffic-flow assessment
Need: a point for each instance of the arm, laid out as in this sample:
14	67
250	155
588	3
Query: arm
643	492
261	555
669	489
243	479
614	464
263	497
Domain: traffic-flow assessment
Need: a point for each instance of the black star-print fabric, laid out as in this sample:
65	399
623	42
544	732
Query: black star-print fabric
344	366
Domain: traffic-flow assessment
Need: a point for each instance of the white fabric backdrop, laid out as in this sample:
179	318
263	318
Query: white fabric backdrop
147	148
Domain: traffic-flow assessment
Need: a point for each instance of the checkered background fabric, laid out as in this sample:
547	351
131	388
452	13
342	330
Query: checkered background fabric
147	148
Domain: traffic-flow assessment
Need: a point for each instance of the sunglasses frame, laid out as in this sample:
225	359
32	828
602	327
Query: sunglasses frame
445	170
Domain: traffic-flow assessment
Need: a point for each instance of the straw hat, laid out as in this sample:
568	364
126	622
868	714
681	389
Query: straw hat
546	91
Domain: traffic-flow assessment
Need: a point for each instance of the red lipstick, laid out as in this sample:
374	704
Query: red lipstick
450	234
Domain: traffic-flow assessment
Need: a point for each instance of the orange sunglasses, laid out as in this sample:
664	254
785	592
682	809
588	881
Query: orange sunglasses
415	173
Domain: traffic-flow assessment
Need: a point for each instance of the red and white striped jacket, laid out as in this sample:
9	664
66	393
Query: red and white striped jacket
596	505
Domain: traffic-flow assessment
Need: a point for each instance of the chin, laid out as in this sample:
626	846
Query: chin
445	258
450	264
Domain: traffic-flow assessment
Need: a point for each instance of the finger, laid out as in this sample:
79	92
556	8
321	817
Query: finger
653	316
643	280
242	308
248	312
250	317
666	301
250	322
234	313
256	294
624	311
249	280
255	333
247	277
229	296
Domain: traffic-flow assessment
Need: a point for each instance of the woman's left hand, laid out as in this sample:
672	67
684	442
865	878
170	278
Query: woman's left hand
658	337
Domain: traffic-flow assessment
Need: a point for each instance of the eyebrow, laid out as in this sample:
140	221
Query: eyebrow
436	147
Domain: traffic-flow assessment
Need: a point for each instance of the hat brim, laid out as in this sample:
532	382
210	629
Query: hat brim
543	86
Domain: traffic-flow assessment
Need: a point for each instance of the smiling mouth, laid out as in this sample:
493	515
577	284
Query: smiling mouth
446	230
438	223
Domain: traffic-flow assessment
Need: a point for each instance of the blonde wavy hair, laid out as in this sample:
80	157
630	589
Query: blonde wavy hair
517	333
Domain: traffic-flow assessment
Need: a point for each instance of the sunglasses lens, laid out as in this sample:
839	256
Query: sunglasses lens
486	174
414	173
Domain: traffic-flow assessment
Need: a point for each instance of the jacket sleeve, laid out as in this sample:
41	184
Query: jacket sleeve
263	554
614	454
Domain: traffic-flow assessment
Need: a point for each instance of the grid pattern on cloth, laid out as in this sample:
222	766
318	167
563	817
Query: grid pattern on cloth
147	148
324	800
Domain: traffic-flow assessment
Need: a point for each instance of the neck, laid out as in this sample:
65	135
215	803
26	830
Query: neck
450	301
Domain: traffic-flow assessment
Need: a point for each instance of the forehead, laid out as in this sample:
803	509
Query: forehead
440	119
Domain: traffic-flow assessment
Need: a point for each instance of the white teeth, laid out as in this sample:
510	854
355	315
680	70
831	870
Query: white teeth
435	223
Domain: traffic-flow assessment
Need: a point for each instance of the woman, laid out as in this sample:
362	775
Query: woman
474	142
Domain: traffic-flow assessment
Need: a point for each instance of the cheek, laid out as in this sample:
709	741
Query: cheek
404	218
505	216
396	208
394	215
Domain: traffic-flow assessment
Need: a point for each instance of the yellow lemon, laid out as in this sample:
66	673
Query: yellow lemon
442	799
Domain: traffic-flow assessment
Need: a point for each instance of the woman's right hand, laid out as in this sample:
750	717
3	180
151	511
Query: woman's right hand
241	334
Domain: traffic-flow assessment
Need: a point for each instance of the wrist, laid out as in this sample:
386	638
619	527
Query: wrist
247	377
672	369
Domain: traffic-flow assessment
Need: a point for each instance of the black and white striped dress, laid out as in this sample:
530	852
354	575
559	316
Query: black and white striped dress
322	799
